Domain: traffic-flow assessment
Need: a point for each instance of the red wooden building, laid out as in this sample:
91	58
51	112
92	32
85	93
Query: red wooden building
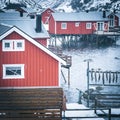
46	14
24	62
78	23
114	20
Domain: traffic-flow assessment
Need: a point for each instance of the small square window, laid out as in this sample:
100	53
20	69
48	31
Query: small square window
7	45
64	26
77	24
11	71
88	25
19	45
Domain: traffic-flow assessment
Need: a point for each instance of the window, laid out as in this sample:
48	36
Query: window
7	45
111	21
13	45
11	71
64	26
100	26
88	25
19	45
77	24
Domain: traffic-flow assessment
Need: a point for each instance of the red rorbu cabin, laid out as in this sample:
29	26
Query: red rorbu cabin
114	20
24	61
46	14
77	23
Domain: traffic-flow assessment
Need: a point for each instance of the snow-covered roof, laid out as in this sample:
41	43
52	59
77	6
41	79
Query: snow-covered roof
118	14
30	39
43	10
81	16
24	23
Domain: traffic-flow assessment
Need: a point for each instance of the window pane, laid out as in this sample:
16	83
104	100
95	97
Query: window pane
64	25
7	45
13	70
77	24
88	25
19	44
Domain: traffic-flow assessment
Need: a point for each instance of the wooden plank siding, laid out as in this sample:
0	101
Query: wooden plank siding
52	25
40	68
41	41
72	29
32	104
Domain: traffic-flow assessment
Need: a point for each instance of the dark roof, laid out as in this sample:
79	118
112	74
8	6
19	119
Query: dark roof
4	28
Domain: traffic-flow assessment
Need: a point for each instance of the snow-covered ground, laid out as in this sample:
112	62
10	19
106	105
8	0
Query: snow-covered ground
85	113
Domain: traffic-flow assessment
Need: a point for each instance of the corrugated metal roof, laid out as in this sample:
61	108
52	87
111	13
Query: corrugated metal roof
81	16
24	23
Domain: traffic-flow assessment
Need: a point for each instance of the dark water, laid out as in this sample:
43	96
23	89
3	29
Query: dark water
102	58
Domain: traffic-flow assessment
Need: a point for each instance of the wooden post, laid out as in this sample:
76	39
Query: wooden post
95	105
109	115
68	75
63	76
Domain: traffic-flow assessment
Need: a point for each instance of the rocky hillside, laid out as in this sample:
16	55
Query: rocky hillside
67	5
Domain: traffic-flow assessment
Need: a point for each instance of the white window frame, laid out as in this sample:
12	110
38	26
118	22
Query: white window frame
19	48
88	25
13	45
7	48
15	76
64	25
77	24
100	26
111	22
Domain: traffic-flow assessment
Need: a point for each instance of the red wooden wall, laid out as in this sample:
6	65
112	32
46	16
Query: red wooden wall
42	41
40	68
72	29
